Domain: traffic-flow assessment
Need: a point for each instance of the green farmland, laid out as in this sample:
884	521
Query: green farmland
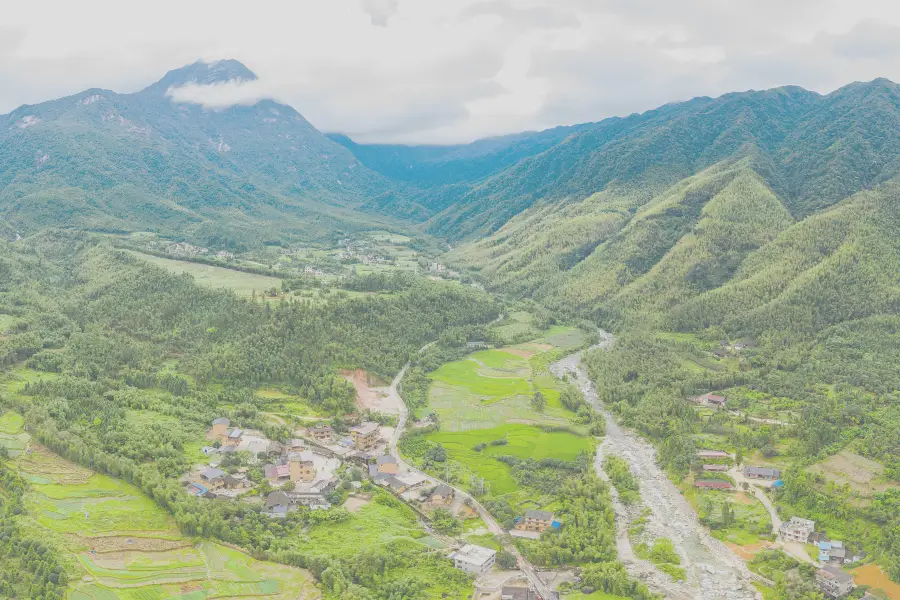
127	548
485	405
523	441
243	284
495	387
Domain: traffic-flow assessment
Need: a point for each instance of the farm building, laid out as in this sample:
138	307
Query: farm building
712	454
711	400
395	484
797	530
832	552
301	470
277	472
715	468
474	559
536	520
365	435
714	484
387	464
762	473
833	582
441	495
234	436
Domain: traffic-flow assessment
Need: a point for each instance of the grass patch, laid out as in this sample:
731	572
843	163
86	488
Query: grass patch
524	441
241	283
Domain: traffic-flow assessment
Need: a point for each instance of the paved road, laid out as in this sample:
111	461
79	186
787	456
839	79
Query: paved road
492	525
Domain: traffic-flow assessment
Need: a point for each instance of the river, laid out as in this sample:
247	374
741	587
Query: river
714	572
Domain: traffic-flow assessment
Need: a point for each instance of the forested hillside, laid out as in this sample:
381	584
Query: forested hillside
120	366
105	161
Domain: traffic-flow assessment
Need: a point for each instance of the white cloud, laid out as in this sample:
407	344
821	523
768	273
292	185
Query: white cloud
450	70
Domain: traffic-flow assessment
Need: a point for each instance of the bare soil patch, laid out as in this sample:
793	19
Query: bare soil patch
371	392
742	498
750	550
528	350
862	474
873	576
354	503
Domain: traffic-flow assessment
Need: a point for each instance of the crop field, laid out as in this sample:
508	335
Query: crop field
243	284
523	441
494	387
863	475
515	325
130	549
12	434
371	526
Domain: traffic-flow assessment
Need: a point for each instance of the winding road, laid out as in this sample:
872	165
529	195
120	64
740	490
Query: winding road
714	572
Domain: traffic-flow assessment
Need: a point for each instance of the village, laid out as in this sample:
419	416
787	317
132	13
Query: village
719	471
320	467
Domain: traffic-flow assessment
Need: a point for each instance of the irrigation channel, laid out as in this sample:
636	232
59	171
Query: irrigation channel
714	572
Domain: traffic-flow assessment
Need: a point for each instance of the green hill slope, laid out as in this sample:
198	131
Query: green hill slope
121	162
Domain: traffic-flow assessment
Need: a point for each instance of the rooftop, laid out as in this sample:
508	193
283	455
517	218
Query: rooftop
221	421
835	574
212	473
540	515
367	428
387	459
473	554
443	490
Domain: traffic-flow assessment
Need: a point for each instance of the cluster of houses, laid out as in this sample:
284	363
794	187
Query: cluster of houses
750	472
832	581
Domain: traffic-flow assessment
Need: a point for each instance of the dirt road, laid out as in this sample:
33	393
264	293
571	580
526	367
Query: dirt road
714	572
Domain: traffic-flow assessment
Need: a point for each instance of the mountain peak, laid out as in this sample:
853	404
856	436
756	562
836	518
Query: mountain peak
203	73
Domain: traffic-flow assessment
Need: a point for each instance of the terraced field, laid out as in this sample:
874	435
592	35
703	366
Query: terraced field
12	435
129	549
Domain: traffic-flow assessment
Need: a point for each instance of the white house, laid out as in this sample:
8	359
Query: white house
474	559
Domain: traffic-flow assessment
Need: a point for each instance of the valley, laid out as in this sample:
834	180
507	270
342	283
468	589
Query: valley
647	357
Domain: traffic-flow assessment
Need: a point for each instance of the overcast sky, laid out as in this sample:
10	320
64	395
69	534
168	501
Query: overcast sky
450	70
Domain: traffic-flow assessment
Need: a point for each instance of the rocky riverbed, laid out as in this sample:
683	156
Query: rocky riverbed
714	572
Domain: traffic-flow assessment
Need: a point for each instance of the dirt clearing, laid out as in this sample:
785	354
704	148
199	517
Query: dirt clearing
354	503
371	393
862	474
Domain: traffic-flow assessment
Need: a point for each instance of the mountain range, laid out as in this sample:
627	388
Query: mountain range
713	210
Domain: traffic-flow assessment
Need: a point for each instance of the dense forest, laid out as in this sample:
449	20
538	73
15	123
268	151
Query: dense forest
111	335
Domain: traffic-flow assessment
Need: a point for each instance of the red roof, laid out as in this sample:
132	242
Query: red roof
715	484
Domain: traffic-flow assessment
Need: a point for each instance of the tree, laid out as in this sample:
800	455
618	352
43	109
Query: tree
506	560
538	402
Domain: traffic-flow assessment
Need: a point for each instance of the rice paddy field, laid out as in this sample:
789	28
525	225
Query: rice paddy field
127	548
487	397
495	387
523	441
